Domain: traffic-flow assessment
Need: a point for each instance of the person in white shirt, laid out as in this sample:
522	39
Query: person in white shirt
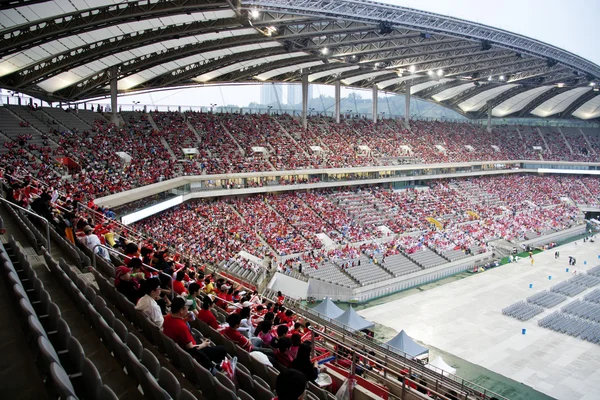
147	304
91	241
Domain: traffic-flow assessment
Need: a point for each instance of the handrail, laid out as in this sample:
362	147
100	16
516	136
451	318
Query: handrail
385	352
124	255
35	214
377	363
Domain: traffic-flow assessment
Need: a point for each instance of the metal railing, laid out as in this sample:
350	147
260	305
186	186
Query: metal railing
35	214
95	254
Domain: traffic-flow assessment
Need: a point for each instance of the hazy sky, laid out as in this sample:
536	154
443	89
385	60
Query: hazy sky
570	25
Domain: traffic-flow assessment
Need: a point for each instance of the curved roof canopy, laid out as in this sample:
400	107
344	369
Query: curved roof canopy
70	50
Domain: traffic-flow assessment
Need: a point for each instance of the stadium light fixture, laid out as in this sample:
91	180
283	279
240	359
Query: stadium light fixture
325	51
489	78
412	69
440	72
429	73
254	14
592	84
502	78
560	85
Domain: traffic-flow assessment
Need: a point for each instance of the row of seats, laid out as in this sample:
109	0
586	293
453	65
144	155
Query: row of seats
58	354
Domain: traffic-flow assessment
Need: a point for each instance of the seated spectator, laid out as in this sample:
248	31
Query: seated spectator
282	332
175	327
246	327
206	316
298	328
178	285
92	241
303	364
193	291
232	333
265	333
291	385
131	251
209	288
296	339
148	305
282	354
127	280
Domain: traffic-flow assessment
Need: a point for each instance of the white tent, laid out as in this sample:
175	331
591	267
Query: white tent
351	320
441	364
328	308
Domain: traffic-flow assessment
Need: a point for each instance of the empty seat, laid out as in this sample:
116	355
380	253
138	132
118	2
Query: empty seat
61	381
168	382
151	363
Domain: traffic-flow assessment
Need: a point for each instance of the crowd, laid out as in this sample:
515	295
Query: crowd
228	143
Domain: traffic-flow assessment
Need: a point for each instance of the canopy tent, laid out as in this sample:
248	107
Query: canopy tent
328	308
350	319
438	363
403	343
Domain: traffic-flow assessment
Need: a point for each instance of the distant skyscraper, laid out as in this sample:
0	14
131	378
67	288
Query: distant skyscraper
267	94
294	93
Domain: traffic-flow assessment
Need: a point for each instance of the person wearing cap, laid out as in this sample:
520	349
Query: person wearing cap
176	328
127	280
91	241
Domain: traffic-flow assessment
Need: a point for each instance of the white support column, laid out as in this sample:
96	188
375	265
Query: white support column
114	118
304	100
407	105
338	91
375	99
489	121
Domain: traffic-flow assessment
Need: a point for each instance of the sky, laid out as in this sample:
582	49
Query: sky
570	25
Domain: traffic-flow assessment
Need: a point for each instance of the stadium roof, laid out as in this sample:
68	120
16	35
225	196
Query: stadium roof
68	50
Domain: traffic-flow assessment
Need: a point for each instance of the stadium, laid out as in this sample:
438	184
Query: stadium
308	247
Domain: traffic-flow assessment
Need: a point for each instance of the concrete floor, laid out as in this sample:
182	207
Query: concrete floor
465	318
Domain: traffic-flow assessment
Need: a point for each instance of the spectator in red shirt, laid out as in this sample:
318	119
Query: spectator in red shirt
206	316
282	354
232	333
178	285
175	327
280	298
298	328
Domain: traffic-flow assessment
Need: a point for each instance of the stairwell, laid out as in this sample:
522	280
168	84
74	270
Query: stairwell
232	138
519	132
566	141
151	120
110	370
169	149
587	141
194	131
285	132
543	140
258	235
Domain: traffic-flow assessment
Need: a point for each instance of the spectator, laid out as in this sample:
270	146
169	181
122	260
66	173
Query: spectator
206	316
265	333
178	286
282	354
176	328
127	280
148	305
193	291
303	364
290	385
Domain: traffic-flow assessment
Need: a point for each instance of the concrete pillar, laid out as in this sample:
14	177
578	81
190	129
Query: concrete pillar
407	105
375	100
489	121
304	100
338	99
114	118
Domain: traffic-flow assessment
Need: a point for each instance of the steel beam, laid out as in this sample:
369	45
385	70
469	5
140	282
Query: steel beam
402	17
25	36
